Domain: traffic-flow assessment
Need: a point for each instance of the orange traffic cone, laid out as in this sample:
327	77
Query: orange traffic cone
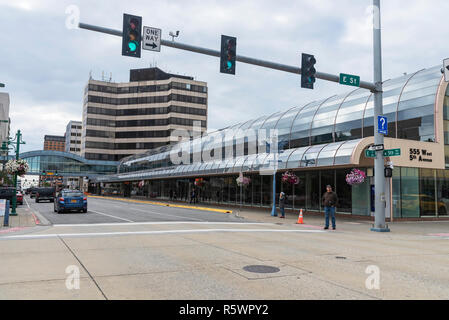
300	218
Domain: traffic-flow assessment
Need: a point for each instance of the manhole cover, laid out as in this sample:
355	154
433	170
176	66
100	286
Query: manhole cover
261	269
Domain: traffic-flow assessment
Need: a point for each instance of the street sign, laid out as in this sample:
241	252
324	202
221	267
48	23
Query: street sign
386	153
382	125
377	147
446	69
392	153
349	80
370	153
151	39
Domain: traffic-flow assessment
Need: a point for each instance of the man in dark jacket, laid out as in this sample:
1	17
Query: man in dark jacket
282	204
330	201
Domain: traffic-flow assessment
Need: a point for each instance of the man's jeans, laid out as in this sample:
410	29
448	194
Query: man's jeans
282	212
327	211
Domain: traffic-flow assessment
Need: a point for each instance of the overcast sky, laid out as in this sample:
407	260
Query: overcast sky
46	65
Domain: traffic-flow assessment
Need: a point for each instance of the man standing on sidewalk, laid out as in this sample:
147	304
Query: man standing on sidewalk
330	201
282	204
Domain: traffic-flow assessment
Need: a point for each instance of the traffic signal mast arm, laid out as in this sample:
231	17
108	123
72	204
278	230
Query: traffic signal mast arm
215	53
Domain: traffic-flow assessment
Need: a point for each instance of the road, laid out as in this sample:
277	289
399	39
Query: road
125	250
111	211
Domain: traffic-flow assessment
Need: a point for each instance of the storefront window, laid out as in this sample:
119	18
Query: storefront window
313	195
344	192
443	192
427	198
257	189
410	192
267	184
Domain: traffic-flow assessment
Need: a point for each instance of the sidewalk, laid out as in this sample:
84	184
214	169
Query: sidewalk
25	219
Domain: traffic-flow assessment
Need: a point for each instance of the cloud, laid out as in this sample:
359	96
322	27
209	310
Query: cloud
46	66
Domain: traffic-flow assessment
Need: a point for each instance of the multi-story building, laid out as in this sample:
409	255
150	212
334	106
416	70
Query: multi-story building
123	119
56	143
73	137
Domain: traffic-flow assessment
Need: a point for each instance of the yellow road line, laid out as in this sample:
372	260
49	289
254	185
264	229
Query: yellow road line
165	204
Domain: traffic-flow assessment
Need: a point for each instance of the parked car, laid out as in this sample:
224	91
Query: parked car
45	194
33	191
68	200
19	197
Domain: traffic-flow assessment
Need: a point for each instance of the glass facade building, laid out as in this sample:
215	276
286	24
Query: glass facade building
66	164
321	142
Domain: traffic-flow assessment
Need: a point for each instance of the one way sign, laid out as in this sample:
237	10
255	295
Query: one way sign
151	39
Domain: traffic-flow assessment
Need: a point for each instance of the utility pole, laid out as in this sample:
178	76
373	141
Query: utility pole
379	177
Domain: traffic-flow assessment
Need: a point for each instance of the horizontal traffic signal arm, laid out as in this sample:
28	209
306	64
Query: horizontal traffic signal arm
216	53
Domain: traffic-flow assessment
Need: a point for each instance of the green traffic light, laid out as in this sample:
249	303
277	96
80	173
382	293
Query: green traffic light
132	45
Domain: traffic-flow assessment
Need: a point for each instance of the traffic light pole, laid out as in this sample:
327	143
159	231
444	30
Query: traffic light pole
243	59
379	177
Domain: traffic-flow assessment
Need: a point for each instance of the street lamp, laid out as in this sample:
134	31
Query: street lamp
17	141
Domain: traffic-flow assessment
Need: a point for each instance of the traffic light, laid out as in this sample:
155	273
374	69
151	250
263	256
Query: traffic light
228	54
388	172
308	71
132	36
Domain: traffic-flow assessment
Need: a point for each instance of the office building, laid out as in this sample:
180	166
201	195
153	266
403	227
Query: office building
73	137
56	143
123	119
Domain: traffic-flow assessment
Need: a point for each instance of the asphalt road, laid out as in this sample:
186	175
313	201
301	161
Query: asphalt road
113	211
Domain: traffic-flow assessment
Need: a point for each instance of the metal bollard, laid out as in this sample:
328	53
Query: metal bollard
6	219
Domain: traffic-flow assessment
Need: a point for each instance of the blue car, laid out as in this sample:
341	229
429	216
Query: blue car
68	200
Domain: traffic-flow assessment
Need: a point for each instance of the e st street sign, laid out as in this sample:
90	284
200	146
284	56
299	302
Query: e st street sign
349	80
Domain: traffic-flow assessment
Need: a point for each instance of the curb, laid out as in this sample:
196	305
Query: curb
166	204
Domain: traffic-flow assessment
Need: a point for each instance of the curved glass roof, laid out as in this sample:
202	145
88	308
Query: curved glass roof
318	133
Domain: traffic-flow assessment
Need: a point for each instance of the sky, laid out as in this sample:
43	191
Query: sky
45	63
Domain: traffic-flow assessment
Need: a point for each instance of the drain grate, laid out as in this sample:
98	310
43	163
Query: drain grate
343	258
261	269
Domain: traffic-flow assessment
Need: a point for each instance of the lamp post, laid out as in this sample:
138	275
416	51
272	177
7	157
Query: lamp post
18	141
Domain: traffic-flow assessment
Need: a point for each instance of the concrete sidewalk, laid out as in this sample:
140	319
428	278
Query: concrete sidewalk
25	218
